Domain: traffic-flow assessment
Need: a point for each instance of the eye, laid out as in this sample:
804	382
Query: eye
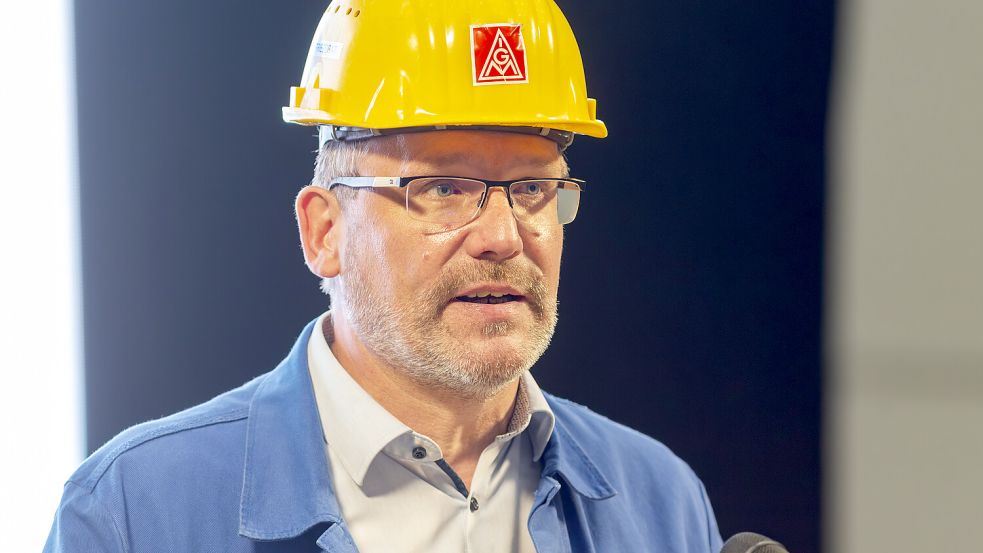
530	188
440	189
445	190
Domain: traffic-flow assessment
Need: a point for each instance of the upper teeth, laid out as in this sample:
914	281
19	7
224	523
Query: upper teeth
485	295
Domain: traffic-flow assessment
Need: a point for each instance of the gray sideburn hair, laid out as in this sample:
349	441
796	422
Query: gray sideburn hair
341	159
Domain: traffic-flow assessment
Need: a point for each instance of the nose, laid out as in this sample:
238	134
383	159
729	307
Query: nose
494	235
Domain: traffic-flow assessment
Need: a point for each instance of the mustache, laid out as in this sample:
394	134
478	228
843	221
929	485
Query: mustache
515	274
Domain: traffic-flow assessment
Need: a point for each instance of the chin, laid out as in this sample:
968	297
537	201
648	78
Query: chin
503	347
510	354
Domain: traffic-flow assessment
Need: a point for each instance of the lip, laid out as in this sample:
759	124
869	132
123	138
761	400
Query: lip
491	288
465	312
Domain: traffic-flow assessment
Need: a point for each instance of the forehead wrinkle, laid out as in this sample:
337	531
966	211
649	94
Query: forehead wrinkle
471	158
443	161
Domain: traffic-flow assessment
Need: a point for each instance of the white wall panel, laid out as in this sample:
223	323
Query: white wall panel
40	397
905	319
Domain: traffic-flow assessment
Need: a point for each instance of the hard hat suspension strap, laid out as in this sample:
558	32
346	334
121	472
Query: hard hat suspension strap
343	133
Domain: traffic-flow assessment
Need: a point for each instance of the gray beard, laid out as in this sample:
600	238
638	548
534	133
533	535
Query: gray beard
415	341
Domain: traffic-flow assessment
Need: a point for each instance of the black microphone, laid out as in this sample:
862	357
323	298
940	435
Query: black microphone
749	542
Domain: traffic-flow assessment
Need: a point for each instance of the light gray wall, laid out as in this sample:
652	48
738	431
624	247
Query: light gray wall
905	321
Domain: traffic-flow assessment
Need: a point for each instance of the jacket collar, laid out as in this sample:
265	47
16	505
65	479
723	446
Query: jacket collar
565	457
287	487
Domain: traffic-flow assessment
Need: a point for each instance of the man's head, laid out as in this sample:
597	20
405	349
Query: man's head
408	89
407	288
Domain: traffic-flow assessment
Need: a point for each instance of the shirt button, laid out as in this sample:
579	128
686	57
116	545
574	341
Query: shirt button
474	504
419	452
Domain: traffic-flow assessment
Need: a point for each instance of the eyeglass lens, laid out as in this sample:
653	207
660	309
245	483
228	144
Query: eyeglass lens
456	200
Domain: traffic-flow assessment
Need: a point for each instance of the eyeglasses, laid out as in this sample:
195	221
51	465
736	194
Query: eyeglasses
458	200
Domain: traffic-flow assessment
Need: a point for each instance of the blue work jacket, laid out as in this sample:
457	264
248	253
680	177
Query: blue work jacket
247	472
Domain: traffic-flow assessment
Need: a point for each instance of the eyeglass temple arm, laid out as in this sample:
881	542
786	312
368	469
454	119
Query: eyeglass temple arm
366	182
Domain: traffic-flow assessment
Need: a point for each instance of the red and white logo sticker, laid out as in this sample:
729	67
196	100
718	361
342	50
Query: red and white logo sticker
498	55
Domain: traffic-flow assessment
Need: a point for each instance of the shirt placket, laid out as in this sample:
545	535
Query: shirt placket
480	491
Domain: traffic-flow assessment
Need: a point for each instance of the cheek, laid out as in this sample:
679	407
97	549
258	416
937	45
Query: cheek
433	248
407	261
431	255
545	247
381	243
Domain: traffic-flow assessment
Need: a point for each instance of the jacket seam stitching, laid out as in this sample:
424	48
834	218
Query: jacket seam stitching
196	422
247	474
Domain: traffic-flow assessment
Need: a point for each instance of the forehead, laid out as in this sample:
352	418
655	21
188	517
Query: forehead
484	154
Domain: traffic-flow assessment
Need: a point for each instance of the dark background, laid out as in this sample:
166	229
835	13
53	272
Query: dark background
692	286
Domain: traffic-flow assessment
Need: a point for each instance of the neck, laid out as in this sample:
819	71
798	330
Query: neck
462	426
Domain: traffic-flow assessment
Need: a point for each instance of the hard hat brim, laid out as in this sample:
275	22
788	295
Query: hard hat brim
310	117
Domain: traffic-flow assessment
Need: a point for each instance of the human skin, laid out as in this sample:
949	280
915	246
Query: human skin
400	260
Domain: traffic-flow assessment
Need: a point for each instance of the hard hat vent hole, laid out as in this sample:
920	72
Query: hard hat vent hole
357	12
336	8
349	12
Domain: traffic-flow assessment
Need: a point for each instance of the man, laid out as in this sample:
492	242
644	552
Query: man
406	419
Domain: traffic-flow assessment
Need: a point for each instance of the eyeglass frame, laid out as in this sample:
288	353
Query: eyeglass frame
403	182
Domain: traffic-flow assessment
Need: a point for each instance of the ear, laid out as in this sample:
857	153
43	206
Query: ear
321	231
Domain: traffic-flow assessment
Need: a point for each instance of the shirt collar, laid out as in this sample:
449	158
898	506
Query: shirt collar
533	415
355	426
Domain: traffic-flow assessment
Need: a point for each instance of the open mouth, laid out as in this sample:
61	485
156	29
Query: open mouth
488	298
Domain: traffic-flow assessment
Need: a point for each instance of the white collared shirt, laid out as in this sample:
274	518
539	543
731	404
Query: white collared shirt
395	491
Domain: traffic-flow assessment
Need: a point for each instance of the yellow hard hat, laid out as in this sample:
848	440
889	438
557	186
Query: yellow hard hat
382	66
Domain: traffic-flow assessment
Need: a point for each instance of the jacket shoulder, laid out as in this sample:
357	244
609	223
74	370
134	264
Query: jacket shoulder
168	437
622	450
